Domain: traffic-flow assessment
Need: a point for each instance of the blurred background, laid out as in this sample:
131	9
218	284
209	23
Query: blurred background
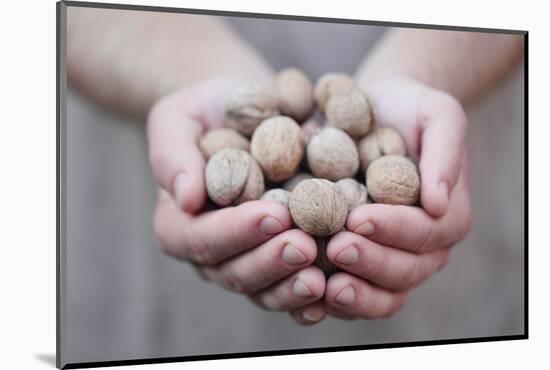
128	300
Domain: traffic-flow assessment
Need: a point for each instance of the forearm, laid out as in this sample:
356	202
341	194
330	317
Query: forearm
127	60
464	64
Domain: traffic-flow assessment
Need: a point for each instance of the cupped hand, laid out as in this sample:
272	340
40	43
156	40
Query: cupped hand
387	250
248	249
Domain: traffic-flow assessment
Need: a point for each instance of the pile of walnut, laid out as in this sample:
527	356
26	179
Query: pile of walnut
322	176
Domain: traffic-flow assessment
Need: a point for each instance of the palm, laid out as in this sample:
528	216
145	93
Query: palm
387	259
404	104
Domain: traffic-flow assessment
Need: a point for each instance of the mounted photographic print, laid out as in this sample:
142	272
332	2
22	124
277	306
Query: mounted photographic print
234	184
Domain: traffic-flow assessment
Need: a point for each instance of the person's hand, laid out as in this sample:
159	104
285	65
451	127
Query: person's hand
247	249
388	250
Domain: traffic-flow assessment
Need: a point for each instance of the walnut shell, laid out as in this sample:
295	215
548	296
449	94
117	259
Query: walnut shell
355	192
380	142
278	146
350	112
291	183
319	207
322	260
222	138
232	176
277	195
393	179
249	106
295	93
332	154
331	84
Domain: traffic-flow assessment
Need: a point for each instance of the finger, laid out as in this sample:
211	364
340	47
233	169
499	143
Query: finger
214	236
334	312
267	263
310	314
387	267
411	228
356	297
300	289
199	270
176	161
443	123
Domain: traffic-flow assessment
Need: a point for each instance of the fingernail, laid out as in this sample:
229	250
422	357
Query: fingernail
308	315
270	225
293	256
179	187
348	256
366	228
301	290
346	296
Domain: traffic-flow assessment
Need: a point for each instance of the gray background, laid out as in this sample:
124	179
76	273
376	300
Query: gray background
128	300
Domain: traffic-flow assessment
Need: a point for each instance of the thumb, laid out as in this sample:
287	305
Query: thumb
176	160
444	126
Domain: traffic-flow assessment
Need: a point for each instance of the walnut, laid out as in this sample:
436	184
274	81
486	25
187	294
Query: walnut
291	183
278	146
233	177
332	154
355	192
277	195
295	93
249	106
380	142
393	179
322	260
350	112
319	207
331	84
222	138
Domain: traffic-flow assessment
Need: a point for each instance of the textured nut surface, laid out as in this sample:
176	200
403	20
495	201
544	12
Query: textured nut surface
331	84
318	207
322	260
332	154
222	138
393	179
295	93
350	112
278	146
355	192
232	176
278	195
291	183
380	142
249	106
